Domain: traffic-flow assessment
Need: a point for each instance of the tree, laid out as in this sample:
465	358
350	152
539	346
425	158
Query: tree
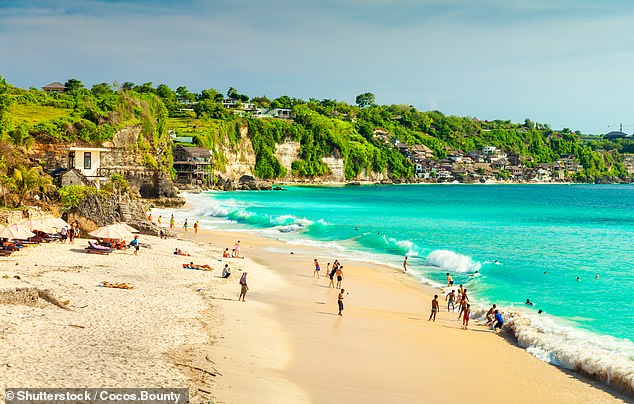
101	89
73	85
127	86
28	180
365	100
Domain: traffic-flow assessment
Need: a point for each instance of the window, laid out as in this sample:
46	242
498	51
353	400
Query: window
87	160
71	160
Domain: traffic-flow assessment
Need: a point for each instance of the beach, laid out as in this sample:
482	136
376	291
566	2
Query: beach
179	327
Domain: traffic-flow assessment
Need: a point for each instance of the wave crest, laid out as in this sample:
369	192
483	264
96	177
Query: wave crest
452	261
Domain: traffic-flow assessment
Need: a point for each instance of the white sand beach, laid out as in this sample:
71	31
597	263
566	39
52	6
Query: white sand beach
185	328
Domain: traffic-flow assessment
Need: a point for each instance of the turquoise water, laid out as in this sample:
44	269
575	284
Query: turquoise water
542	236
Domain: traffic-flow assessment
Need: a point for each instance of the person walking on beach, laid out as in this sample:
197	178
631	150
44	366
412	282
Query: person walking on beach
450	299
172	222
77	229
332	272
135	243
64	232
463	306
465	317
159	220
185	226
243	287
434	308
340	301
405	264
317	269
196	227
449	280
339	274
236	250
71	234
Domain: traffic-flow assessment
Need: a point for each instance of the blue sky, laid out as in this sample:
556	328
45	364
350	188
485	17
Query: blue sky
563	62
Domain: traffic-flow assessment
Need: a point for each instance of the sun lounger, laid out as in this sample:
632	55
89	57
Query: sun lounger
97	249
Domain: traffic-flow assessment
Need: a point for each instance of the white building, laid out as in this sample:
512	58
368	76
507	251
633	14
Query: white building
87	160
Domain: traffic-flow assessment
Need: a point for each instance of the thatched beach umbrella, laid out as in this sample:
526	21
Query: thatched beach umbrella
15	231
112	232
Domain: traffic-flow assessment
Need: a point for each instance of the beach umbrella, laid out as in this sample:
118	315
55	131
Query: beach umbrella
15	231
57	222
40	224
112	232
126	226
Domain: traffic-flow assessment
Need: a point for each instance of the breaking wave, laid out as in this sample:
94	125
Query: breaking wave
452	261
602	357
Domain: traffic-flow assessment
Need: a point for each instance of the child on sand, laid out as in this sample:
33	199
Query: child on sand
236	250
317	269
196	227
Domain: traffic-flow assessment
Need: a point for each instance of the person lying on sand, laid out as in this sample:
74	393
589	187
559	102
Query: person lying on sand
178	251
204	267
105	284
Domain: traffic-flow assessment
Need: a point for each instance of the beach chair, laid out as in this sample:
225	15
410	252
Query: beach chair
97	249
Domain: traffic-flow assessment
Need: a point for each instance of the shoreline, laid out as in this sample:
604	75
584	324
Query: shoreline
303	368
180	327
593	364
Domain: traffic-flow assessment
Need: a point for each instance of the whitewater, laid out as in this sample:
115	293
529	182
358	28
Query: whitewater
566	247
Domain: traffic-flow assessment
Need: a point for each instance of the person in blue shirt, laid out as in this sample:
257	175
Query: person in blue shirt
135	243
499	321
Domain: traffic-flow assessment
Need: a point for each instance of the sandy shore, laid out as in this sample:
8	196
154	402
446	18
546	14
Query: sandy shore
285	344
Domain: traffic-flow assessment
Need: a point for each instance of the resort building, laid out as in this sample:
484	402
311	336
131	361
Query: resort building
193	165
54	87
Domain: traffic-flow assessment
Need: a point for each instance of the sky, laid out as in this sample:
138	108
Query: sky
567	63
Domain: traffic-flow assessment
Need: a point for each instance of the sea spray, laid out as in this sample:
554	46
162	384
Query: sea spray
602	357
452	261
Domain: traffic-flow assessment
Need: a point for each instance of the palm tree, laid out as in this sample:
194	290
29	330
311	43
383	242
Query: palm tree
27	181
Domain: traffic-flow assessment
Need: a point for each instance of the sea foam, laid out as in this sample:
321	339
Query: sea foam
452	261
602	357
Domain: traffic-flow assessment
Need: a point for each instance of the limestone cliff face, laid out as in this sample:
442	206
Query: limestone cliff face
240	159
286	153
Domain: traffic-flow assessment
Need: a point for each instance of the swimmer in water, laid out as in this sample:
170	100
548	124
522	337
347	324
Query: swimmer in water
528	302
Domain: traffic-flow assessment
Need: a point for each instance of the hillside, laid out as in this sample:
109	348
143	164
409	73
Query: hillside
291	139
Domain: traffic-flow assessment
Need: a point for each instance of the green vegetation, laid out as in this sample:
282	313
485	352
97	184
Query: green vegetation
323	128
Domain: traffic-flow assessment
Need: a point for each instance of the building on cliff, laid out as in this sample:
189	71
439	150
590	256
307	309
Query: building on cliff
87	161
193	165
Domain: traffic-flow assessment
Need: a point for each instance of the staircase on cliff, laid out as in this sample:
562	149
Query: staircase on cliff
124	211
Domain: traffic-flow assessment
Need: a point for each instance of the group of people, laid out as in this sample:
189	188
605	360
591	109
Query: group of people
70	233
461	300
335	271
235	251
172	223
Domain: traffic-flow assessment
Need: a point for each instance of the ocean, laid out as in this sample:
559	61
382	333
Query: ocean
567	248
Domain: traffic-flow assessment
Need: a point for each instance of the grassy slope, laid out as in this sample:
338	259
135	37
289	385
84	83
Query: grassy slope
34	114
